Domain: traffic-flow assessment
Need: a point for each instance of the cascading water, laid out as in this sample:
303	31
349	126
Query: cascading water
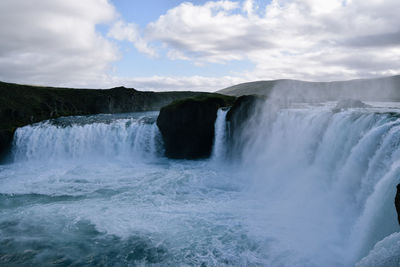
313	188
326	181
89	138
219	146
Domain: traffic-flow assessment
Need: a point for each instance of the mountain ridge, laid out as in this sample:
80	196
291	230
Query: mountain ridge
373	89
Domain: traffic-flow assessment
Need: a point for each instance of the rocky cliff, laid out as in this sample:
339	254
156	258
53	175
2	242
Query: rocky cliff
187	126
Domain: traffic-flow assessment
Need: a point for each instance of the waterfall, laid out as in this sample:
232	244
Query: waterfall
326	181
75	138
219	146
311	187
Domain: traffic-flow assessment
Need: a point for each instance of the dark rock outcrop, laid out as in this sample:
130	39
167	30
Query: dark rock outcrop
6	137
397	202
241	111
187	126
22	104
238	117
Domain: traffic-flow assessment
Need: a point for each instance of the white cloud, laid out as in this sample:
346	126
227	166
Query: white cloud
54	41
204	33
304	39
130	32
176	54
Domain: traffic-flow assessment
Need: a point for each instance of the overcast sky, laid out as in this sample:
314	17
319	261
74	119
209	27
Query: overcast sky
195	45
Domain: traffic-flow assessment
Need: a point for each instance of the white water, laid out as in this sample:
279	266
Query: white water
313	188
219	146
326	182
76	139
90	191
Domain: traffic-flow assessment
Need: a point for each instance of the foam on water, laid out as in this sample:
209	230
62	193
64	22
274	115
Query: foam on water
384	253
326	181
83	191
313	188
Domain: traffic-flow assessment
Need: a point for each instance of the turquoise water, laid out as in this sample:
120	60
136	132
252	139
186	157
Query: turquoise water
309	187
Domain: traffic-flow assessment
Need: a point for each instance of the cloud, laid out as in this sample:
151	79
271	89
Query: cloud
377	40
130	32
205	33
304	39
55	41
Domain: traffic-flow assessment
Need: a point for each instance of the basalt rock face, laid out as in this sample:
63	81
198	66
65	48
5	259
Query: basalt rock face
244	109
22	104
397	203
187	126
6	137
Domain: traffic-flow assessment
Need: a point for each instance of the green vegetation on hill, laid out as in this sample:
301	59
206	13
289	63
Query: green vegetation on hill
223	100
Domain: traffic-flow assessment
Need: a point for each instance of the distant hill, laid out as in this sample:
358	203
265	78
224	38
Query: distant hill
379	89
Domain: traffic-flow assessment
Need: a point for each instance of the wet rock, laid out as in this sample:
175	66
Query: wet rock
241	110
6	137
238	118
187	126
397	202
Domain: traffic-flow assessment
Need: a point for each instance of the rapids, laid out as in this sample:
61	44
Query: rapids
310	187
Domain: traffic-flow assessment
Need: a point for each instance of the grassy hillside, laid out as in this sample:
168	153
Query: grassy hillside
22	104
380	89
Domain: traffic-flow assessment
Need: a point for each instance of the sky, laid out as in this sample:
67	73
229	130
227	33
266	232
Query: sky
198	45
